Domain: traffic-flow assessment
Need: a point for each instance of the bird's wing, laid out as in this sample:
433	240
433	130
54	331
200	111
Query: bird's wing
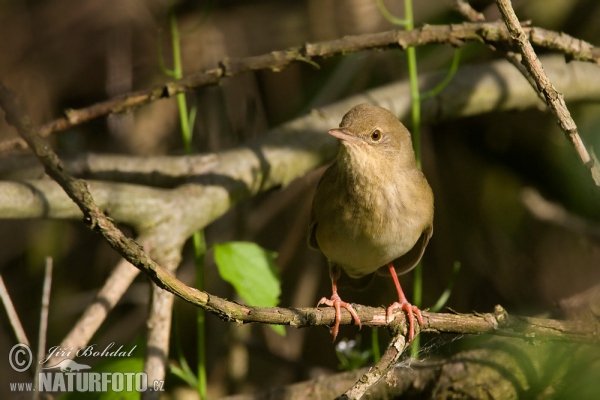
411	259
312	227
312	232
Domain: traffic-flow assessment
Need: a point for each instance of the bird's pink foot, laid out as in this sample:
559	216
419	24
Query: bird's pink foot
336	302
409	309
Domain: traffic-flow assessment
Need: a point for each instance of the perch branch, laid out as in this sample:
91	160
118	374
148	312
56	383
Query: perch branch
494	33
554	98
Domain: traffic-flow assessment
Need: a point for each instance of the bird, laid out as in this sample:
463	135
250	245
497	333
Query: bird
373	208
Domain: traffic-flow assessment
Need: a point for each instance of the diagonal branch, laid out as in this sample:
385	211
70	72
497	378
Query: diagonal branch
553	97
385	365
11	313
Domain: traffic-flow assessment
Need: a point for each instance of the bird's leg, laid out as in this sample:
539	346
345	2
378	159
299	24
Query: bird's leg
403	304
336	302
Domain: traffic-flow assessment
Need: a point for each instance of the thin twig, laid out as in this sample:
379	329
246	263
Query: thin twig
41	351
493	33
464	8
108	296
13	317
554	98
384	366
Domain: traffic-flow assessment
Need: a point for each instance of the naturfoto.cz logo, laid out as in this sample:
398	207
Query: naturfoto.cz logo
70	376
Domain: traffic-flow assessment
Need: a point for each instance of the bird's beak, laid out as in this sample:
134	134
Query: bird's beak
344	135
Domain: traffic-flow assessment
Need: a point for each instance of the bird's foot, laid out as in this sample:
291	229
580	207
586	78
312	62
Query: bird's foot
336	302
409	309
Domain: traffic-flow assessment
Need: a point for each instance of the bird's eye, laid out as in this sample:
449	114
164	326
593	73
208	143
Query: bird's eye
376	135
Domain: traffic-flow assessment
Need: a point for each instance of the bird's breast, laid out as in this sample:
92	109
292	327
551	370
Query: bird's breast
369	221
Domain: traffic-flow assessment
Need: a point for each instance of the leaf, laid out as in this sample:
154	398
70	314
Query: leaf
251	270
279	329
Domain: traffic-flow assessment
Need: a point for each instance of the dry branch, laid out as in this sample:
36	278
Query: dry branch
553	97
493	368
289	151
465	9
555	213
491	33
11	312
392	354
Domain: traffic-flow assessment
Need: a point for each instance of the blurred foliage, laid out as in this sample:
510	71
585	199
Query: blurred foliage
351	355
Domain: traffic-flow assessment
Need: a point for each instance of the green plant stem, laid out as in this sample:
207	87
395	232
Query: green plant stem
389	16
416	128
199	259
199	241
178	74
446	295
375	345
447	79
415	101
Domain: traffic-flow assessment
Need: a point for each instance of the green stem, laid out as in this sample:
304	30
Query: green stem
416	126
199	260
198	239
389	16
446	295
415	102
375	345
447	79
178	74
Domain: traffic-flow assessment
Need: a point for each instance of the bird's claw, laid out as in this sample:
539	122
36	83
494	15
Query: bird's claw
336	302
409	309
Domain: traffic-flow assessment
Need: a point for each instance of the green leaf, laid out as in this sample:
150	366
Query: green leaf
251	270
279	329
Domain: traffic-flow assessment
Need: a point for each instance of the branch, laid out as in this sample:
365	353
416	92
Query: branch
43	329
285	152
159	325
116	285
113	289
555	213
491	33
495	368
554	98
385	365
11	313
465	9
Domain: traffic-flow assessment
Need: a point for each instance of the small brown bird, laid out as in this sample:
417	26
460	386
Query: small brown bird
373	208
